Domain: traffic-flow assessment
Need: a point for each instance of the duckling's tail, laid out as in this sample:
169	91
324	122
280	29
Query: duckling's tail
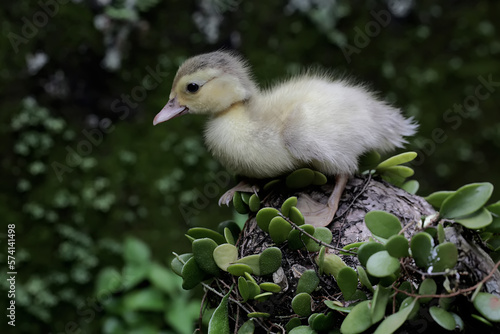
396	128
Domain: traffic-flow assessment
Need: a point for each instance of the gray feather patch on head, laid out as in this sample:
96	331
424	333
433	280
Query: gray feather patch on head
226	61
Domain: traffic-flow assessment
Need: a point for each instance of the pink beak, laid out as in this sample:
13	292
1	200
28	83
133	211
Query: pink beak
170	110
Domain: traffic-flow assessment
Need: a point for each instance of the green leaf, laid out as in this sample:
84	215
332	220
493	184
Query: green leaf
136	251
287	205
421	247
411	186
397	246
224	255
393	178
436	199
271	287
239	269
243	288
301	304
494	243
381	264
320	260
394	321
302	330
239	204
254	203
387	281
270	260
201	232
252	261
476	220
253	289
397	160
494	227
382	224
322	322
379	303
271	184
109	280
488	305
446	256
250	278
398	171
263	296
363	278
308	282
347	280
440	233
297	239
163	279
481	319
296	216
279	229
294	322
203	250
247	328
368	249
258	315
427	287
264	217
337	307
146	299
178	262
459	323
332	264
219	322
466	200
368	161
319	179
228	235
321	233
192	275
300	178
405	286
351	247
232	226
245	197
134	274
442	317
358	320
406	303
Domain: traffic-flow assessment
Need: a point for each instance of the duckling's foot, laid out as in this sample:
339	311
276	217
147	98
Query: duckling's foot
243	186
319	214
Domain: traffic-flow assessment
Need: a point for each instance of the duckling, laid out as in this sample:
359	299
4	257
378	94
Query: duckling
309	120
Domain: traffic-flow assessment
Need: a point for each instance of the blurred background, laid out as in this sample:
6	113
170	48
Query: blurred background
100	198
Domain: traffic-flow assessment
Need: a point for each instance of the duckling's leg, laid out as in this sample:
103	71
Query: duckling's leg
243	186
319	214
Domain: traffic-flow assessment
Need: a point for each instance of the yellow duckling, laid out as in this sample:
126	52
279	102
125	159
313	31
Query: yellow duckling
310	120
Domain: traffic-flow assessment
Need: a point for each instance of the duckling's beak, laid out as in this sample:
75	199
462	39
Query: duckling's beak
170	110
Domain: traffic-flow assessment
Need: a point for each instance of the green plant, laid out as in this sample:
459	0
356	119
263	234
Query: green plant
378	293
143	296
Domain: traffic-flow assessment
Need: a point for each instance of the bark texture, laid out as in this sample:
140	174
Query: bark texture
362	194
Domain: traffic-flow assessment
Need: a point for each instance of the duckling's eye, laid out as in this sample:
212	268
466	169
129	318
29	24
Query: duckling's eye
192	87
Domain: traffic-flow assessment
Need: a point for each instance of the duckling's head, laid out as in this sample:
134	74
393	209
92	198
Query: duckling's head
208	84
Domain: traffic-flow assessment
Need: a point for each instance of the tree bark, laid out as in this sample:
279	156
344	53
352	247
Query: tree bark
362	194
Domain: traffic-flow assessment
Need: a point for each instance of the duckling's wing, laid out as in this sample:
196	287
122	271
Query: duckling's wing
317	141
